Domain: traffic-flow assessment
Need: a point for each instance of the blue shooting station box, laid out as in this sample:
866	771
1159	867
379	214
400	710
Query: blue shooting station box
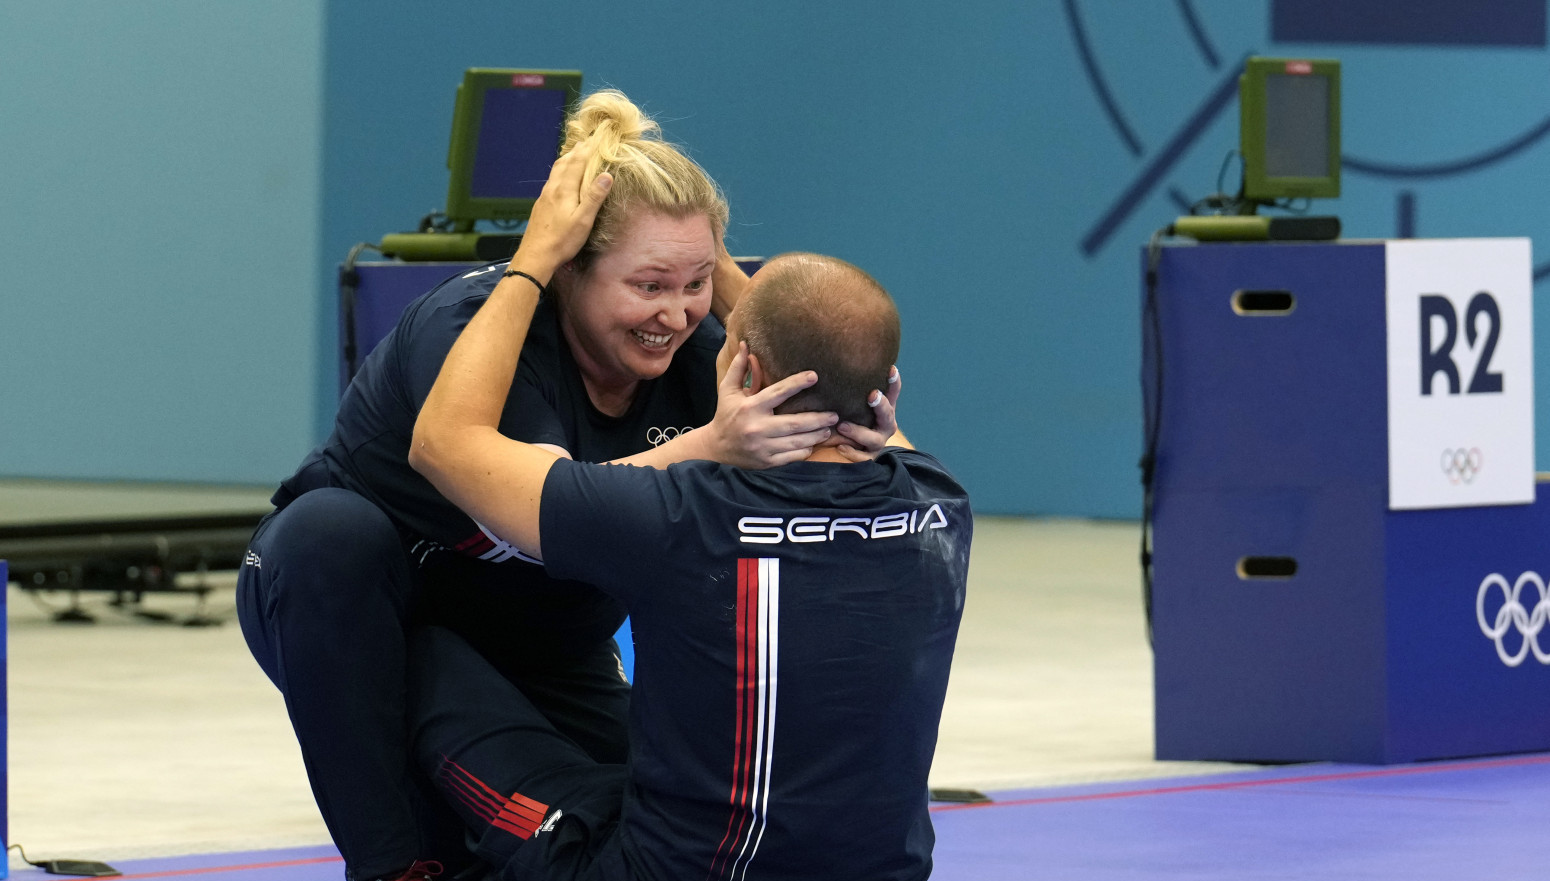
382	291
1295	616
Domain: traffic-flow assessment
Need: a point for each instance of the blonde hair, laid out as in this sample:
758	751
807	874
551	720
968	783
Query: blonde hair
648	172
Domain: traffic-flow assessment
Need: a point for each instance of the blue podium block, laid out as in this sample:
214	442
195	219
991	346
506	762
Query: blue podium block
382	291
1377	648
1262	398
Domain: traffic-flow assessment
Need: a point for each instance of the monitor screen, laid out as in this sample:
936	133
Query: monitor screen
507	127
1289	128
517	142
1296	126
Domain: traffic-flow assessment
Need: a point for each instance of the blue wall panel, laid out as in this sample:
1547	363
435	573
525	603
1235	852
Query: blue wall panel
158	233
1438	22
995	165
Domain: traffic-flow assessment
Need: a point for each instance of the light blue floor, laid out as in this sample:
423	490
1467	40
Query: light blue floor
1478	819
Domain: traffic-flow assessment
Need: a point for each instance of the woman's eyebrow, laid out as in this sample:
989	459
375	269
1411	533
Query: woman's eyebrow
659	267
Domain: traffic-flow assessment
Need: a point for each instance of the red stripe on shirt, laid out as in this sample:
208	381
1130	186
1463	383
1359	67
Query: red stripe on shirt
747	691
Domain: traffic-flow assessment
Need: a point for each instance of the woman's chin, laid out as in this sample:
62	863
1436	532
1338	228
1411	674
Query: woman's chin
649	362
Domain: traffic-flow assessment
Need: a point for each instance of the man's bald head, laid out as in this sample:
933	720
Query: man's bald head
810	312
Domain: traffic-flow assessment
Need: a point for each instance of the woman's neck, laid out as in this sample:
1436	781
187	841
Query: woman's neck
610	395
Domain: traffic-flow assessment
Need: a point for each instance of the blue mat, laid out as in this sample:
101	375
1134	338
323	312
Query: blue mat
1442	820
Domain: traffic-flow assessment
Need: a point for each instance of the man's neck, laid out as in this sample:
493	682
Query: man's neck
828	454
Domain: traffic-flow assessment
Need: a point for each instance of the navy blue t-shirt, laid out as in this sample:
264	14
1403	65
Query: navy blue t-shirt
468	571
793	633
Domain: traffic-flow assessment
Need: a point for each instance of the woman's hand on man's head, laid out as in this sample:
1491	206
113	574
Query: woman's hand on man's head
866	443
748	433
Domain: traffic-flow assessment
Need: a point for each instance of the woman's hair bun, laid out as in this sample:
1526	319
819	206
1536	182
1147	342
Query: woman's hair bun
648	173
613	116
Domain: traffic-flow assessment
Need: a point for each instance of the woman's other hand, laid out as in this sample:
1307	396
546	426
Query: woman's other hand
866	443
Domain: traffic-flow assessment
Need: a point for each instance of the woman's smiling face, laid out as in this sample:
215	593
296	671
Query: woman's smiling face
629	312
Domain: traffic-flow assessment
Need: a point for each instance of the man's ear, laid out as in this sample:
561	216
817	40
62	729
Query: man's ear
756	373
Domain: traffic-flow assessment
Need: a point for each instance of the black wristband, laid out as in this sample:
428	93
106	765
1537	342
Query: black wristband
542	291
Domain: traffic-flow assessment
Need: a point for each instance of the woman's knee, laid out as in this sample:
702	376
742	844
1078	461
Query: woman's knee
333	547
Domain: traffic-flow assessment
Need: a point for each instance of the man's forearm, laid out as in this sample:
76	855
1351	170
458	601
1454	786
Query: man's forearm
726	286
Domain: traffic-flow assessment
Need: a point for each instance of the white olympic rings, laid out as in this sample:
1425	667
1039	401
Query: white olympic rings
1514	615
1462	465
659	436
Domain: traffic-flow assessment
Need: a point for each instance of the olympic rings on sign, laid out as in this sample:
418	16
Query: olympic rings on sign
1513	615
659	436
1462	465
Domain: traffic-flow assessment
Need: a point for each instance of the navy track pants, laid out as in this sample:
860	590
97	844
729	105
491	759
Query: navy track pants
326	600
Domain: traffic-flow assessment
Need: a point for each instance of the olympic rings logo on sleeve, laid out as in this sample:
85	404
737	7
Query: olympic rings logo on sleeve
1514	616
1462	465
659	436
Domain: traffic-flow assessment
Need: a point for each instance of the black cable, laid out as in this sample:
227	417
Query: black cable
349	281
86	868
434	222
1221	171
1153	417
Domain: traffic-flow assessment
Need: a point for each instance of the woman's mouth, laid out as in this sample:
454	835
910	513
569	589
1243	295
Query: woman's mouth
653	340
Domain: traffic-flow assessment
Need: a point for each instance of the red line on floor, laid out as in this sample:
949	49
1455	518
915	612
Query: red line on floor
210	870
1246	784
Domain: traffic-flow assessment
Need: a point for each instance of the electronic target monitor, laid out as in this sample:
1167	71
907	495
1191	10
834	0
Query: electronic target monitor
507	127
1289	128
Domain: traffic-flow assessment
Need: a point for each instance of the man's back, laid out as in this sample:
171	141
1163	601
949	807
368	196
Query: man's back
794	629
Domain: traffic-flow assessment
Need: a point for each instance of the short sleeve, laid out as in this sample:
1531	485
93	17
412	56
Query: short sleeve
603	524
530	414
426	341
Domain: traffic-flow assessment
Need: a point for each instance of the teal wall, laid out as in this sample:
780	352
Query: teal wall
967	155
159	226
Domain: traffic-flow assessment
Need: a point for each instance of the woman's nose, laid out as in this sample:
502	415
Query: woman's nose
674	316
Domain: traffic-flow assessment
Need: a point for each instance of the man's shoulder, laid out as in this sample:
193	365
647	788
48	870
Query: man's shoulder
896	476
911	464
924	467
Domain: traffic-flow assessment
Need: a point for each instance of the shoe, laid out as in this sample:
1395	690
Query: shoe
422	870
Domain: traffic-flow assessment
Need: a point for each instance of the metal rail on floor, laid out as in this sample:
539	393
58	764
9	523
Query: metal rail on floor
128	557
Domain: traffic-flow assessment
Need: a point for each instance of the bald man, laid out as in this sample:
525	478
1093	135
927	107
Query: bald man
794	627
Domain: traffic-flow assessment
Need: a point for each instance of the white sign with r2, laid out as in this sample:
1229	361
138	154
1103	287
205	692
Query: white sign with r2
1461	372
